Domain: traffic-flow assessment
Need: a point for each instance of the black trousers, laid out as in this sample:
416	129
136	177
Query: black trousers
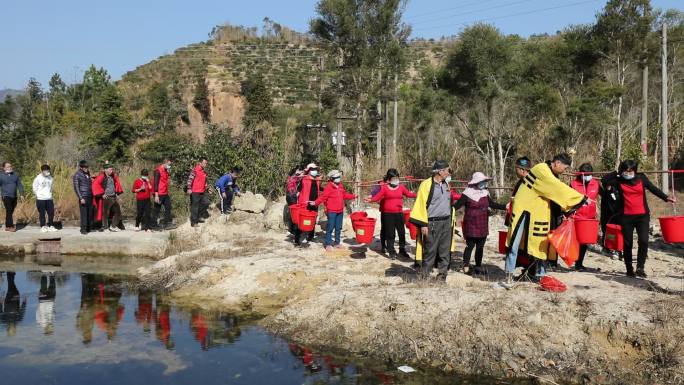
437	248
227	202
165	201
292	227
46	208
198	207
392	223
582	253
86	211
142	214
629	223
10	204
110	207
478	244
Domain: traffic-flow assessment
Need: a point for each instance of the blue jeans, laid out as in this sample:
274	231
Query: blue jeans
334	223
512	256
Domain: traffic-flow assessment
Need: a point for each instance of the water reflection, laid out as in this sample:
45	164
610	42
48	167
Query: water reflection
13	306
138	337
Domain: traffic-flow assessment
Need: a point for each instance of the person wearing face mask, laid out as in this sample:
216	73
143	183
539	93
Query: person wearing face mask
11	188
477	202
433	215
42	189
391	198
106	189
143	191
585	184
333	198
82	183
309	188
632	209
532	220
160	186
197	189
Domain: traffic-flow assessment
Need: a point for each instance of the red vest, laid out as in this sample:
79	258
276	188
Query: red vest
305	194
145	194
199	184
592	191
634	198
163	188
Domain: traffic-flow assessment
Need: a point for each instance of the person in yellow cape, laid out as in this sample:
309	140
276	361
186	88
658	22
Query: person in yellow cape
432	214
532	218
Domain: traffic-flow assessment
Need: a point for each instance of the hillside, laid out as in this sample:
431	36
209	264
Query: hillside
9	92
294	73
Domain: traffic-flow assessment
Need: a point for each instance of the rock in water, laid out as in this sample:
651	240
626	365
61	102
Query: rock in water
274	216
250	202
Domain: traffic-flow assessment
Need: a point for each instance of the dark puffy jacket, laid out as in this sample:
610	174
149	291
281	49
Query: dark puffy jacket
10	184
83	185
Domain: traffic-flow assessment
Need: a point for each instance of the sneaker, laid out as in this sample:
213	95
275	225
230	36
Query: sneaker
507	284
393	255
328	248
404	254
641	273
83	232
305	241
114	229
580	268
52	228
44	229
137	228
12	229
630	273
339	246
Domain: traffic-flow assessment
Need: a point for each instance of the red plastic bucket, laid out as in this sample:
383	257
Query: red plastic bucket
613	238
307	220
294	211
503	234
672	229
357	216
587	231
364	230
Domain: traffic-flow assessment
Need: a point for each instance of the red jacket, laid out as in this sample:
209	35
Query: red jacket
99	190
161	180
333	197
197	182
144	194
392	200
592	191
305	190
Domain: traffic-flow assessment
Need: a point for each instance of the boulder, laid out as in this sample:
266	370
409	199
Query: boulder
250	202
274	216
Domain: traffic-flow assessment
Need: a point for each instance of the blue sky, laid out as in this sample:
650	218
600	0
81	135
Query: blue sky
41	37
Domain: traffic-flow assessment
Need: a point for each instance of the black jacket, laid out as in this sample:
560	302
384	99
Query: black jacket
615	184
82	185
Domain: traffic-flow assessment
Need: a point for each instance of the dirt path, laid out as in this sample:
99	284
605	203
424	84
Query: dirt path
607	328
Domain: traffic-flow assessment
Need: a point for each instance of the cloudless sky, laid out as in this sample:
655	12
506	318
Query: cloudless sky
39	37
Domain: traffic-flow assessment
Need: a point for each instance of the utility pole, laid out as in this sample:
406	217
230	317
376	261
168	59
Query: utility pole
665	153
644	109
394	122
378	144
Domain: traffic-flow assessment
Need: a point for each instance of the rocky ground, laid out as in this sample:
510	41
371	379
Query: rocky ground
606	328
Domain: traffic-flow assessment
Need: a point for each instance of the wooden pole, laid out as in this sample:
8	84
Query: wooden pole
644	110
664	147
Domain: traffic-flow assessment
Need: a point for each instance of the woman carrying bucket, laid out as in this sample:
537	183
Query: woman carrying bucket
585	184
333	198
477	203
391	198
308	189
634	213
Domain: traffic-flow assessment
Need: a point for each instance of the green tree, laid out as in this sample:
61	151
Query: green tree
113	133
160	115
259	103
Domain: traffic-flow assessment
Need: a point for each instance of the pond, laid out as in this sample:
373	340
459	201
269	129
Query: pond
66	327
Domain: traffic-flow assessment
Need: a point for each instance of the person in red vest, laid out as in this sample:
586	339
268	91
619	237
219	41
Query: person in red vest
160	186
309	188
106	190
333	197
590	187
630	194
391	198
143	190
197	189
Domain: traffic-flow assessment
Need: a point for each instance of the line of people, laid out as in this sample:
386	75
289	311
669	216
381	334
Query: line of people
539	203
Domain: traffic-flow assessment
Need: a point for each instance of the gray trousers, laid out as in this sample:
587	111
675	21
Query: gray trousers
437	248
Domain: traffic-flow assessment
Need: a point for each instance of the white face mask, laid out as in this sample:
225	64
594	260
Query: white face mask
447	180
627	176
587	178
337	180
482	185
143	177
46	173
313	173
167	166
394	182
